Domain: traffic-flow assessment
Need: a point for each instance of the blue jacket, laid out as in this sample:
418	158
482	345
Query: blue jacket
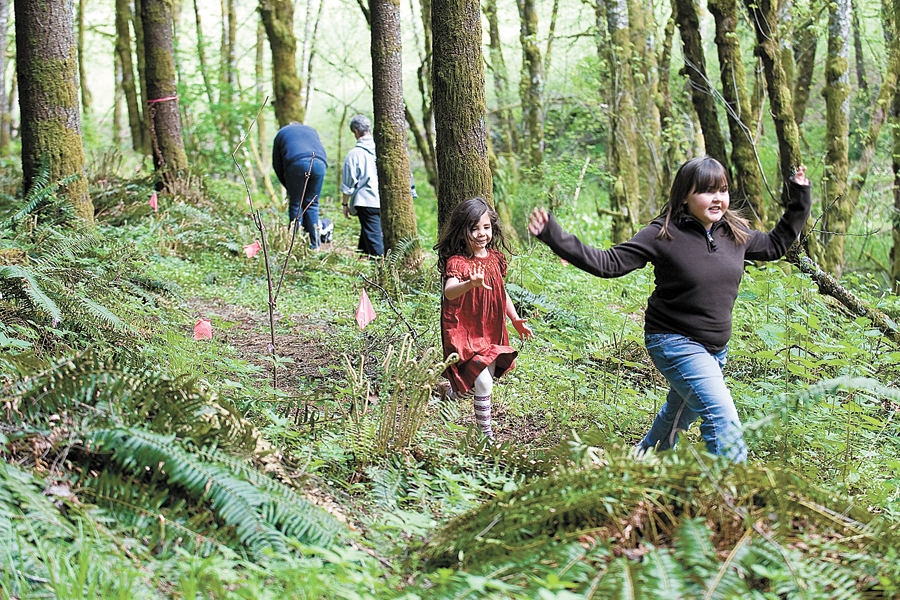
294	143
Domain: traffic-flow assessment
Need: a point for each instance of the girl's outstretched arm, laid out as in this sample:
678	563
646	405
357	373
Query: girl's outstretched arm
524	330
454	288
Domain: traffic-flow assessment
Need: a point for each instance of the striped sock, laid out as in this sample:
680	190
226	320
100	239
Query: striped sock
483	415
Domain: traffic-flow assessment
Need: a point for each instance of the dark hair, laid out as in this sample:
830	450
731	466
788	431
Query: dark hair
454	239
700	174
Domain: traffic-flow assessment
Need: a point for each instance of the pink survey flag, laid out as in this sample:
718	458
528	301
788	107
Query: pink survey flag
153	202
203	330
252	249
365	314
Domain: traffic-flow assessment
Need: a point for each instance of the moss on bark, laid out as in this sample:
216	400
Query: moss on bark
278	19
48	85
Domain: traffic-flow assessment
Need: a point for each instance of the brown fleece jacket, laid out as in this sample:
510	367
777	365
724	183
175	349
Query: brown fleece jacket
697	274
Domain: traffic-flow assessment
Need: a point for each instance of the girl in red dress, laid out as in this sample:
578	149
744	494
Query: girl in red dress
474	305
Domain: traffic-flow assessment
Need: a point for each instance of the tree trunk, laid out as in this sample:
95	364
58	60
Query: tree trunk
671	156
278	17
861	80
169	157
459	105
531	88
129	88
762	16
836	205
747	185
82	74
398	217
262	140
312	55
622	147
785	36
647	123
142	76
201	56
806	38
5	117
701	94
46	62
117	103
506	123
551	34
424	137
895	167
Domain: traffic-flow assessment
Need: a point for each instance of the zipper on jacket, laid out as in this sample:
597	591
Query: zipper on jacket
710	242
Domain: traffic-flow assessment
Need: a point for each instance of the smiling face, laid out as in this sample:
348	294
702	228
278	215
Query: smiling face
480	235
708	206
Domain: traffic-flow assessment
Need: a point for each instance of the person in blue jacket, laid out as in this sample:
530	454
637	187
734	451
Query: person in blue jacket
297	151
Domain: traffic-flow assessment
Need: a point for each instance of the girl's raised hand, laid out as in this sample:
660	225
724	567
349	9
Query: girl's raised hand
477	277
537	220
799	176
524	330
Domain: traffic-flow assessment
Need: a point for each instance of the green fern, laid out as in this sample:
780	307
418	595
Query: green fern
260	519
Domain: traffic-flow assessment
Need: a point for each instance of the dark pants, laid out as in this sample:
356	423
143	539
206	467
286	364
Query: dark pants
370	239
306	202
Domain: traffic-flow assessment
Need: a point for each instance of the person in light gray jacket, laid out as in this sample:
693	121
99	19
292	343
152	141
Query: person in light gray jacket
360	188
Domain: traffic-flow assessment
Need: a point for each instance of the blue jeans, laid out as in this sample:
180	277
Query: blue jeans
306	201
371	241
697	389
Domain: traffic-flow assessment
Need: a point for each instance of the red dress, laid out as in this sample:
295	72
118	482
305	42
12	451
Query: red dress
474	325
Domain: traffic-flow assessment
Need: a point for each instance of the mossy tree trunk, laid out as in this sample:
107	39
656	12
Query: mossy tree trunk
862	81
895	167
836	205
201	55
459	105
702	96
398	217
506	122
645	78
806	38
278	17
671	155
425	137
47	66
310	58
140	56
747	185
5	117
622	145
82	74
531	89
166	139
763	17
139	134
260	66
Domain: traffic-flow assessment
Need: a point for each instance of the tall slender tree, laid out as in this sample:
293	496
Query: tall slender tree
531	88
506	123
702	95
624	195
129	86
398	216
747	183
5	117
459	105
425	138
837	208
46	61
765	25
278	18
169	156
201	55
806	38
82	74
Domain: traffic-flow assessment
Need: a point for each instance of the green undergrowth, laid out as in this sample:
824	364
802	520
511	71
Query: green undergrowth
139	462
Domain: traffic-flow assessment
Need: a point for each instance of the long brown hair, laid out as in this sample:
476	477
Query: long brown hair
454	239
700	174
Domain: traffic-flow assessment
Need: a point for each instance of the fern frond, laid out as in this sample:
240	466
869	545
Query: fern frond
20	280
232	247
253	513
